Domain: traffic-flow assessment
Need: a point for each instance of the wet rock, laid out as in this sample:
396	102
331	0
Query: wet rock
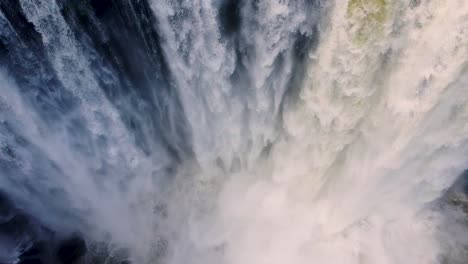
101	7
230	16
37	249
18	226
103	252
71	250
31	261
457	194
6	209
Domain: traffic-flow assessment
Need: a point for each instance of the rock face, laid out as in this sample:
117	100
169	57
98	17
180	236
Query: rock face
457	195
455	206
33	242
34	254
17	230
32	261
71	250
67	251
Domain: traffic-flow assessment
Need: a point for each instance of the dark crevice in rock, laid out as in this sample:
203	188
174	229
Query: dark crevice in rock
71	250
230	16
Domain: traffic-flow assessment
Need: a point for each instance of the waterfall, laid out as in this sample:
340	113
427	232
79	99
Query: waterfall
233	131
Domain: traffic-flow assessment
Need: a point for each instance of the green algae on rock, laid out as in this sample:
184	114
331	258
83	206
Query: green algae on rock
367	18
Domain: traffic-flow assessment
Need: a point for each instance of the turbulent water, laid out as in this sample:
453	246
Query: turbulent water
234	131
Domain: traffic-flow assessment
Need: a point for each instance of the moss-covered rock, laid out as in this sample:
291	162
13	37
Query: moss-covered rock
367	18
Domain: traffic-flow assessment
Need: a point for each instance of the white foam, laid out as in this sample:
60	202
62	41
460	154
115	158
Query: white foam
379	134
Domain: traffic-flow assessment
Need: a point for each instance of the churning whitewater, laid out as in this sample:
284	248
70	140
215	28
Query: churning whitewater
233	131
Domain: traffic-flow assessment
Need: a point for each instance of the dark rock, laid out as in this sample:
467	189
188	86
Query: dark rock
71	250
230	16
36	249
101	7
457	194
16	227
31	261
6	209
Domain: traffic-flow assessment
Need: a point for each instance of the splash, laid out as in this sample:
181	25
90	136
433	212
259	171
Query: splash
373	141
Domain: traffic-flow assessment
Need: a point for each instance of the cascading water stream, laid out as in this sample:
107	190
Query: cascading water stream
250	131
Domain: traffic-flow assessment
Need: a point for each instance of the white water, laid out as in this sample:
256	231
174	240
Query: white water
203	62
370	145
379	132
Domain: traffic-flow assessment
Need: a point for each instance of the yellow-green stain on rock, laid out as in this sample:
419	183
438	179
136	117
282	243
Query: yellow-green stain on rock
367	18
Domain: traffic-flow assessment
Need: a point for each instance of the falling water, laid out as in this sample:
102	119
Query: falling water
234	131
